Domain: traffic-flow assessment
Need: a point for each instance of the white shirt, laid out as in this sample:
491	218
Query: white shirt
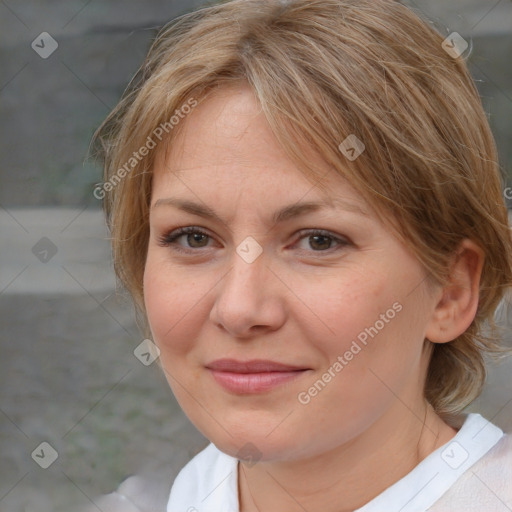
470	473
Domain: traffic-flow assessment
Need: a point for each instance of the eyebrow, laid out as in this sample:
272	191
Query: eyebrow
282	215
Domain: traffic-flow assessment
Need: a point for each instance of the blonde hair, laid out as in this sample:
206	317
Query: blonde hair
323	70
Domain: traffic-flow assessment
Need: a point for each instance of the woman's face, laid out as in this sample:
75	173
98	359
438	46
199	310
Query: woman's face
346	307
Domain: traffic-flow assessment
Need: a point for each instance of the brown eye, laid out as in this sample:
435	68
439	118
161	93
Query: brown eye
194	237
322	241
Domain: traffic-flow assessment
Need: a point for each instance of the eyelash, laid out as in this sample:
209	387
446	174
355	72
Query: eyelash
170	239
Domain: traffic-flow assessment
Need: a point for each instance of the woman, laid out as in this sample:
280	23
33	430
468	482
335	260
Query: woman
305	204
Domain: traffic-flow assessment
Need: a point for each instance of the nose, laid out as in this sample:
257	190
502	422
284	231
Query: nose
250	299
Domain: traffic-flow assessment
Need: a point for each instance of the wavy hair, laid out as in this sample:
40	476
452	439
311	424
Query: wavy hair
323	70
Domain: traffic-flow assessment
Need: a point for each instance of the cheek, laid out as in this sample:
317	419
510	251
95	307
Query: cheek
371	320
170	303
344	306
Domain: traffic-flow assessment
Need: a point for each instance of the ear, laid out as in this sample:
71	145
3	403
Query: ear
458	303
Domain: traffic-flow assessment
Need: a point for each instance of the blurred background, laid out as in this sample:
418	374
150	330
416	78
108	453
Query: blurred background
68	373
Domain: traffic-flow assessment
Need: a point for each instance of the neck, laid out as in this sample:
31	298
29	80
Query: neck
350	475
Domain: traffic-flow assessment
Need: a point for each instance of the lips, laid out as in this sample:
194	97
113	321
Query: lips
253	366
255	376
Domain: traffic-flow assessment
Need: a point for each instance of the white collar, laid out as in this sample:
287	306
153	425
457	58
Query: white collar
209	482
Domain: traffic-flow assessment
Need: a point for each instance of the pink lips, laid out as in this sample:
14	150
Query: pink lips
253	376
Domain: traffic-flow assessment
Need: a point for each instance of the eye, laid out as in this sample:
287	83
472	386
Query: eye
321	241
193	236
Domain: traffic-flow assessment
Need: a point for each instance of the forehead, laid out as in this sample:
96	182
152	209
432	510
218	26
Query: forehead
226	144
228	127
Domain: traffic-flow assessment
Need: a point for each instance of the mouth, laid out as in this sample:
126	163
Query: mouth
255	376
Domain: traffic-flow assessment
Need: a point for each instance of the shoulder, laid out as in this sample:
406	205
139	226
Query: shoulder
136	494
202	468
146	491
484	486
207	482
149	491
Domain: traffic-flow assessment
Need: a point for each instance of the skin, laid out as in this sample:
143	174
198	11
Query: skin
302	302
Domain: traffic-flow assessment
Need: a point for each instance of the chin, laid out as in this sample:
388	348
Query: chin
254	447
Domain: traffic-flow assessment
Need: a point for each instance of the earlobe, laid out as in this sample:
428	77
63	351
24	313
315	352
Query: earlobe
458	304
